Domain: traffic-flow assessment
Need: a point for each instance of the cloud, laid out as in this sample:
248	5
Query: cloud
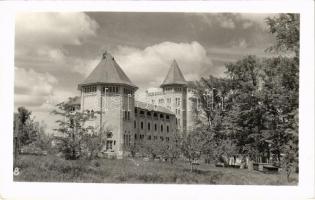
44	39
148	67
53	29
32	88
257	18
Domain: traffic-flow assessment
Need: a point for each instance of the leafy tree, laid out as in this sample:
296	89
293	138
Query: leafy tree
192	146
74	131
24	134
286	29
282	85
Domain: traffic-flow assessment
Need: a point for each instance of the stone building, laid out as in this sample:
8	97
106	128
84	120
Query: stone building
109	90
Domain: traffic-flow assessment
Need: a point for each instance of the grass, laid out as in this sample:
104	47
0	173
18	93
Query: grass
54	169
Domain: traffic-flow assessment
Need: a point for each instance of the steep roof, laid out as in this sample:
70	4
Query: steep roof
151	107
174	76
107	71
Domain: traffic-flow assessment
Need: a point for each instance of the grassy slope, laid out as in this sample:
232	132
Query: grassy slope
55	169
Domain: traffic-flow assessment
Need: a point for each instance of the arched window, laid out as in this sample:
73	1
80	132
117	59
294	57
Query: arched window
161	128
142	125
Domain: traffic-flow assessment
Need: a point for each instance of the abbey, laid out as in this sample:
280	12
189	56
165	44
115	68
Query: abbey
167	109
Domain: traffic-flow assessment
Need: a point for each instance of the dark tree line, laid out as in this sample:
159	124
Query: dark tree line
254	109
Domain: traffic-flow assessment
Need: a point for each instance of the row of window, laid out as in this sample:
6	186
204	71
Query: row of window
110	89
106	89
89	89
168	101
142	113
149	127
177	89
126	115
149	137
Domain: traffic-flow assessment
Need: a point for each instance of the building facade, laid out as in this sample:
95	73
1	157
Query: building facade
109	91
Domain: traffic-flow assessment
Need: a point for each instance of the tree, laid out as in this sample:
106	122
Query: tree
74	131
24	136
286	29
192	146
282	83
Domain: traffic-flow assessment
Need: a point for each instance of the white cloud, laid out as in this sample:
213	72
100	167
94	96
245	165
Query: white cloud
32	88
53	29
148	67
45	35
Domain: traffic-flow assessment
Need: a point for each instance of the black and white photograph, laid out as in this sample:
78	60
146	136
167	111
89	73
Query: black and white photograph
180	98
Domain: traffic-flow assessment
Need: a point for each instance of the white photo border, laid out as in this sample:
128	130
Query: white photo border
19	190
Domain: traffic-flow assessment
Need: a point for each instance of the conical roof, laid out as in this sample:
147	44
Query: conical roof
107	72
174	76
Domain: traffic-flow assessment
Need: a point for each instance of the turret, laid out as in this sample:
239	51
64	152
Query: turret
108	90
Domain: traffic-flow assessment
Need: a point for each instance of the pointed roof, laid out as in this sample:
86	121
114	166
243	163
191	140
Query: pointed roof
174	76
107	71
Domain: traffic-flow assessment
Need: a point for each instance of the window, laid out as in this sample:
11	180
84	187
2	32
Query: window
162	139
155	127
155	115
128	115
149	126
167	117
135	124
125	115
169	100
161	101
161	128
161	116
149	137
155	137
136	136
148	113
153	101
167	139
89	89
109	145
167	129
142	125
177	101
127	91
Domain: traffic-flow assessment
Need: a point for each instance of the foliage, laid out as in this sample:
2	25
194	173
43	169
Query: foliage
75	135
254	110
193	145
286	29
26	129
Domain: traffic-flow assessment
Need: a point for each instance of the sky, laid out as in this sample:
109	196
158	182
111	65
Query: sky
54	52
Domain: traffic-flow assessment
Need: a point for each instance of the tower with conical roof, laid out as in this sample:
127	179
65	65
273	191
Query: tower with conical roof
175	91
172	95
109	91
